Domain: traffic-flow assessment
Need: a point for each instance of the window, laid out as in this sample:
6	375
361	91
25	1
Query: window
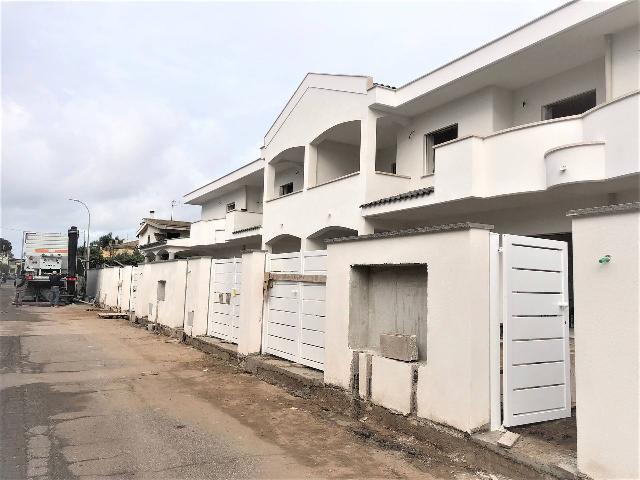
436	138
570	106
231	206
162	286
286	188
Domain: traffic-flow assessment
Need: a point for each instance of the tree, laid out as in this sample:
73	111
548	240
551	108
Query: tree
126	258
105	240
5	248
95	255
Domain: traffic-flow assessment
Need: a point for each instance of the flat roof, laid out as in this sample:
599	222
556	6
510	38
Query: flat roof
217	186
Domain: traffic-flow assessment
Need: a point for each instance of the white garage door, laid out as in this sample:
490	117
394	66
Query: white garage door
536	330
295	311
224	299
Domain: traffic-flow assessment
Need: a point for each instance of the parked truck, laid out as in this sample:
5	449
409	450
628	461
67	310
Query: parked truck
45	253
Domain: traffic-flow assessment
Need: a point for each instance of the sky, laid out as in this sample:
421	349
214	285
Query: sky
130	105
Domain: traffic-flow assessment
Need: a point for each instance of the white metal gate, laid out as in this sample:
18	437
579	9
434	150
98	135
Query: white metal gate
135	274
535	316
224	299
295	311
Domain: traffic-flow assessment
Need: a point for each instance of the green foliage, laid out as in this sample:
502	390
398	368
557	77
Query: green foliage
126	258
105	240
5	248
95	257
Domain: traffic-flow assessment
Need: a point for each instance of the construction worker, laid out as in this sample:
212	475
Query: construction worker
21	285
55	282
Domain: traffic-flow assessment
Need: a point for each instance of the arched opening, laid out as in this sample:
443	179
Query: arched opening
337	152
285	244
317	240
150	257
163	255
288	171
386	145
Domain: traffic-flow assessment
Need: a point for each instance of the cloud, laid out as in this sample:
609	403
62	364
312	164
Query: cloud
129	105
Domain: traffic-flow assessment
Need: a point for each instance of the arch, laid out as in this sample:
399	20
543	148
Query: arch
287	171
316	241
284	243
150	257
336	152
163	255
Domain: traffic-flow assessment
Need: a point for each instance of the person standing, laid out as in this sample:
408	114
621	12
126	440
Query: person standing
55	282
21	285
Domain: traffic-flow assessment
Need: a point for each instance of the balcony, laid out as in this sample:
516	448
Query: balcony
302	213
241	224
597	145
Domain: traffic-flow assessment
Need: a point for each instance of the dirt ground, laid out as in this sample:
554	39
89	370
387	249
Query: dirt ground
561	433
86	397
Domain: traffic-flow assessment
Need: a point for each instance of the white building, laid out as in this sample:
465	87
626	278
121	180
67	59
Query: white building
154	234
439	209
231	216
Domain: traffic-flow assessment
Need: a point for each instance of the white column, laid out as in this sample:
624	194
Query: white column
251	302
607	336
310	166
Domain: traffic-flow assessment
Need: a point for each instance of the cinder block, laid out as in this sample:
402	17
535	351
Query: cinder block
391	384
399	347
364	375
508	439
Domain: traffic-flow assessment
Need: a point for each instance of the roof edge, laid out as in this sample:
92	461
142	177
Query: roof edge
604	210
413	231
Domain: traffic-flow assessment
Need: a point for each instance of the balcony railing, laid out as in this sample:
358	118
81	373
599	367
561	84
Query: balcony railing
601	143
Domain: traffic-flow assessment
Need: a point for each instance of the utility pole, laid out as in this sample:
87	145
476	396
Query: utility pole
86	268
173	204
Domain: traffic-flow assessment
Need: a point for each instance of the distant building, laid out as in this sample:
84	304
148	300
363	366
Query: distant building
154	233
120	248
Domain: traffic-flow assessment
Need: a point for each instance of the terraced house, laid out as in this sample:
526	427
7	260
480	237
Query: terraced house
485	216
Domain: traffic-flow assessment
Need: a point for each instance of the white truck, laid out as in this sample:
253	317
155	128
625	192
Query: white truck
44	253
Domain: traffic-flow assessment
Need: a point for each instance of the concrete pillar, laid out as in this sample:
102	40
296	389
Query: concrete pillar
310	166
251	302
269	182
606	271
368	155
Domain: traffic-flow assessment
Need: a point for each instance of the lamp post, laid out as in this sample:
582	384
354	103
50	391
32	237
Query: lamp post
86	268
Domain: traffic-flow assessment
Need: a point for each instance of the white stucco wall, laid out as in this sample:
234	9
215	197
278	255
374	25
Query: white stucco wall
607	336
566	84
335	160
107	286
254	199
625	61
473	114
453	384
169	312
197	296
283	176
217	207
251	303
148	236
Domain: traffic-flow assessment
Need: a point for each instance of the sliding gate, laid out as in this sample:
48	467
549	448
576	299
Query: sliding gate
224	299
294	323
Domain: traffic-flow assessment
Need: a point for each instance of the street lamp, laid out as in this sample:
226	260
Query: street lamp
86	268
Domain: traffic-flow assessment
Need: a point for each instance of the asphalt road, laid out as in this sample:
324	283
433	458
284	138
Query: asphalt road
85	397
